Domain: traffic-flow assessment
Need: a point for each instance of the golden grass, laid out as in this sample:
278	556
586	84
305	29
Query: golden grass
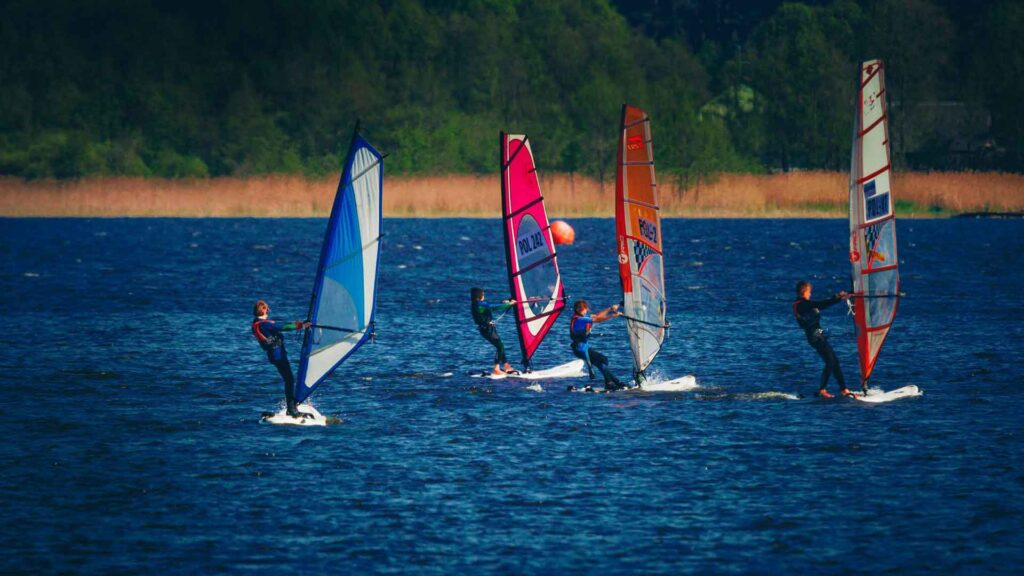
797	194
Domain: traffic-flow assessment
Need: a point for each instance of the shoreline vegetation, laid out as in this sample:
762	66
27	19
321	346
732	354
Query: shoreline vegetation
811	194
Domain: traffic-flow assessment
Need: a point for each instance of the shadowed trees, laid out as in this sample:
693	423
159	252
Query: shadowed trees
229	87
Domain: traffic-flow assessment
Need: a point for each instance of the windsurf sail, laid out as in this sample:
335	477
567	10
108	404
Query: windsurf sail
344	293
530	254
638	230
875	269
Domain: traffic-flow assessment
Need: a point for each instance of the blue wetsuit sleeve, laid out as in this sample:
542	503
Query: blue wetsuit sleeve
271	327
498	306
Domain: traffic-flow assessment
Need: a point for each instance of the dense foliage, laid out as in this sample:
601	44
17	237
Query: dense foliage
180	88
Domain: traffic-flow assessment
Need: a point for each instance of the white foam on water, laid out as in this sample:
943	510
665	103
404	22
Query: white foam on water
281	417
877	395
656	384
774	395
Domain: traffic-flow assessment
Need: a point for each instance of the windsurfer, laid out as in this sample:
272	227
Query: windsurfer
484	319
269	333
808	315
579	333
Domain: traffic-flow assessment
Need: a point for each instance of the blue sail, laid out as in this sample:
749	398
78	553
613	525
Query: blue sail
344	293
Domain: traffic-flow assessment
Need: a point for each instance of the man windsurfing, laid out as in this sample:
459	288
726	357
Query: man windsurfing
808	316
270	335
483	317
579	334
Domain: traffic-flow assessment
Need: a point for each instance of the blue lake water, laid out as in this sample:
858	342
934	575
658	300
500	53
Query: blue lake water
132	390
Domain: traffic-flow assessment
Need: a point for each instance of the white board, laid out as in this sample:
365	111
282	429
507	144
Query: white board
688	382
574	369
315	418
876	396
683	384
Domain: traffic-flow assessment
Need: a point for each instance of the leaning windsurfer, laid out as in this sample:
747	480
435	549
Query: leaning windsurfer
579	334
269	333
808	315
484	319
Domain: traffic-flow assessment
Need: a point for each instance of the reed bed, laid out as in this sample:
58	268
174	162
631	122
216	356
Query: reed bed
796	194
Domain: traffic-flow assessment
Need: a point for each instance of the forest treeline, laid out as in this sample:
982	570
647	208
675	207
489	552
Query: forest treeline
185	88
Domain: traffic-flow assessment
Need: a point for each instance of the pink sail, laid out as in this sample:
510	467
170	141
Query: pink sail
530	255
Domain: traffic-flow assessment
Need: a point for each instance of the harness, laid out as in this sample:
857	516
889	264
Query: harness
580	342
268	343
578	337
483	319
808	322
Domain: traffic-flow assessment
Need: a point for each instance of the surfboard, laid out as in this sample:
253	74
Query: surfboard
877	396
574	369
683	384
677	385
314	418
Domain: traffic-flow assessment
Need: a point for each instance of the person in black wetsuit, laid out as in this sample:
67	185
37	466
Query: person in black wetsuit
482	315
270	335
808	315
579	334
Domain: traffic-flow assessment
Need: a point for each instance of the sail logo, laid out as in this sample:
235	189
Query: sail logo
641	251
529	243
871	236
648	230
875	205
870	101
634	142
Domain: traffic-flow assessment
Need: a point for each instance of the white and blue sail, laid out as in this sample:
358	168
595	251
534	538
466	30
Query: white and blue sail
344	294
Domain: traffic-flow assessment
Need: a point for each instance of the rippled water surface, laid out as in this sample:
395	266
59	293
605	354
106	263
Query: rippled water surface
132	390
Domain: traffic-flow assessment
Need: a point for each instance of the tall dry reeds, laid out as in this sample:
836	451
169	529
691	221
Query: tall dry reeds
796	194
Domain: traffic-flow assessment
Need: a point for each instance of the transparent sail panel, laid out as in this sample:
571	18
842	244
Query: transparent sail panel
646	304
880	288
540	280
879	245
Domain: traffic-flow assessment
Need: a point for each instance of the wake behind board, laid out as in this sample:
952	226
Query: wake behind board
574	369
876	396
314	418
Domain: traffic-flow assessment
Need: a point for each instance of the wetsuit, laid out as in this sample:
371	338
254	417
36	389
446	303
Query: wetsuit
579	334
271	338
808	316
481	310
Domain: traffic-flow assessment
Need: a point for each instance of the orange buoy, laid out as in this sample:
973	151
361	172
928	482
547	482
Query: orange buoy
562	232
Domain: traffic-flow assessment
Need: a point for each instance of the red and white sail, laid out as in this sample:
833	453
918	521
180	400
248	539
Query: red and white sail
638	231
873	256
530	253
